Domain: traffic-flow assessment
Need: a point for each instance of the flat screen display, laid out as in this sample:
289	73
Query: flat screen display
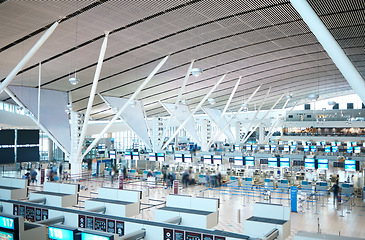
354	144
6	222
217	159
327	149
112	154
248	147
350	165
286	148
6	236
293	148
273	147
350	149
313	148
128	155
267	147
7	155
135	155
207	159
306	149
28	154
254	147
322	163
160	157
90	236
152	156
27	137
7	137
249	161
284	162
333	144
309	163
272	162
188	158
238	160
335	149
357	150
60	233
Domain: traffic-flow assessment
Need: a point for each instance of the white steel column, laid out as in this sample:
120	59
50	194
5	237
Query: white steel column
121	110
262	119
241	108
27	57
333	49
177	102
204	135
216	134
92	93
194	111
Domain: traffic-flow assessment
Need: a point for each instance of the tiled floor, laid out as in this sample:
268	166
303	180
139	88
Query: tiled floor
236	205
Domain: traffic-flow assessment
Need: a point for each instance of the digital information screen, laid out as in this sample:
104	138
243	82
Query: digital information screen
306	149
350	149
135	155
254	147
335	149
128	155
293	148
193	236
322	163
313	148
309	163
168	234
100	224
188	158
250	161
238	160
286	148
90	222
267	147
357	150
6	236
284	162
60	233
217	159
160	157
248	148
93	236
119	228
152	156
44	214
272	162
7	223
327	149
207	159
350	165
112	154
273	147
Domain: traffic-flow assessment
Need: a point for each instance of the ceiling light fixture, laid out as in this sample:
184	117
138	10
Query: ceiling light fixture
331	103
196	72
74	80
212	101
313	97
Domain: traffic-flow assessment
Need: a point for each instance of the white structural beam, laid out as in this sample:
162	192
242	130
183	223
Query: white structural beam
239	110
121	110
188	72
27	57
258	110
262	119
92	93
35	120
333	49
194	111
271	132
39	90
216	134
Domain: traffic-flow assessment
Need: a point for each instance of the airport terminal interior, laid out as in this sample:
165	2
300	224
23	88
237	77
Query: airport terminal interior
182	119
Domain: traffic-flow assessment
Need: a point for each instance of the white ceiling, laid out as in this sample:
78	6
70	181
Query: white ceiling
265	42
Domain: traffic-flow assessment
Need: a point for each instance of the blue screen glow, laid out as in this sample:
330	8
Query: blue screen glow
60	233
89	236
6	222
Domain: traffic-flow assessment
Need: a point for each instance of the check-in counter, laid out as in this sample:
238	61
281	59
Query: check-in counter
14	227
13	188
347	189
194	212
114	207
57	194
321	186
267	217
306	186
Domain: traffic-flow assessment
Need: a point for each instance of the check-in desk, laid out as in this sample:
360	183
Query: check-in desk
347	189
267	217
13	188
194	212
57	194
321	186
259	226
306	186
117	202
269	183
283	185
114	207
247	182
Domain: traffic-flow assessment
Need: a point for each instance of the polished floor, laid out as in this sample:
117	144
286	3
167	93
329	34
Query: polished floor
315	214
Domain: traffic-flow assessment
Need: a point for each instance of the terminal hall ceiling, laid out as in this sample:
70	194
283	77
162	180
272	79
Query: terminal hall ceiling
265	42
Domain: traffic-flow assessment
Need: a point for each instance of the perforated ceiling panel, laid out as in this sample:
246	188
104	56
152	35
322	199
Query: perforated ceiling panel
265	42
